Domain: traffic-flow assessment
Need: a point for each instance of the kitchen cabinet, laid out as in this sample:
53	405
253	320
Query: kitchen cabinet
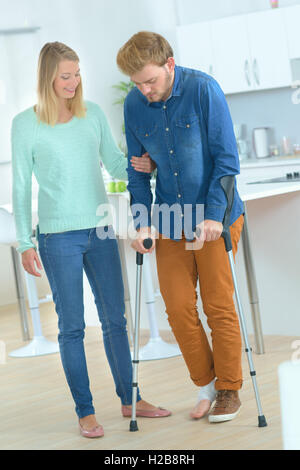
246	52
232	58
195	47
268	50
291	17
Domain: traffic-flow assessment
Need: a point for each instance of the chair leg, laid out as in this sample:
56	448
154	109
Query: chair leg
20	293
39	345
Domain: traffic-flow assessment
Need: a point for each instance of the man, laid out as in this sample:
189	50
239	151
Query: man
180	116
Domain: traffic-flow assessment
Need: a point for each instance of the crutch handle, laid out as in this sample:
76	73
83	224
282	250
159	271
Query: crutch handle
227	183
139	256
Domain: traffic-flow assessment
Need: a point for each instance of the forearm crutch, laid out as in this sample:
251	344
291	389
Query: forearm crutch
227	183
139	263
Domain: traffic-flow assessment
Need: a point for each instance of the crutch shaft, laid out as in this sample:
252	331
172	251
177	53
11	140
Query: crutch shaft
245	334
135	362
139	263
228	184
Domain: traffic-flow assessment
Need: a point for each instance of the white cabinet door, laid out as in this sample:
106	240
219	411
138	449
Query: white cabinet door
269	51
195	47
292	20
231	49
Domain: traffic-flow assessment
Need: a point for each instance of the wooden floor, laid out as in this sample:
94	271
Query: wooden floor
37	411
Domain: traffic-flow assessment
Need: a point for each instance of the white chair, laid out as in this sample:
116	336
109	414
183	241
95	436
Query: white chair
39	344
156	348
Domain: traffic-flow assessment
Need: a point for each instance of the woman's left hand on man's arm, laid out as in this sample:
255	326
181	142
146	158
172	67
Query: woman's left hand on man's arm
143	164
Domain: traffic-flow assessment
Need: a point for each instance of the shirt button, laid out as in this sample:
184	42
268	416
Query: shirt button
164	107
171	151
146	135
188	125
179	195
167	129
176	174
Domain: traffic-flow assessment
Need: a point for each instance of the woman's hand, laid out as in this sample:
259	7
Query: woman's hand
28	258
143	163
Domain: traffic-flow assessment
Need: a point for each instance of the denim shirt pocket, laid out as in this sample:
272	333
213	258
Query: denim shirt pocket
148	136
189	123
144	133
188	132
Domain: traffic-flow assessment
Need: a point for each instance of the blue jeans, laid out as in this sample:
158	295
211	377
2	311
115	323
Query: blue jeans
64	256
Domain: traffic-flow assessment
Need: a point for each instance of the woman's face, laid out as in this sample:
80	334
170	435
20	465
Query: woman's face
67	79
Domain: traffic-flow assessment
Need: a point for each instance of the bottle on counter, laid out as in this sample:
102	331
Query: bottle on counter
285	145
274	150
296	148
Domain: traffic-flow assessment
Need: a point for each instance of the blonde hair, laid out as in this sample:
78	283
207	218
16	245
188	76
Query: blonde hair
143	48
47	107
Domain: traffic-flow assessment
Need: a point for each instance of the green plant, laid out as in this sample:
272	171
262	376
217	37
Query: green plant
123	88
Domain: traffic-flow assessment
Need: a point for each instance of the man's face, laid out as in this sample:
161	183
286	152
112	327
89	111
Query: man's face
155	82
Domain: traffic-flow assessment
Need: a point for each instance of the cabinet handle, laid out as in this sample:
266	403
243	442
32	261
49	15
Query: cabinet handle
247	74
256	72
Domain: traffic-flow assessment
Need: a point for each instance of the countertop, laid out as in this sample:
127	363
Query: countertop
248	192
270	161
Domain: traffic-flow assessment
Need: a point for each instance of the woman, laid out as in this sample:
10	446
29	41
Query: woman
61	141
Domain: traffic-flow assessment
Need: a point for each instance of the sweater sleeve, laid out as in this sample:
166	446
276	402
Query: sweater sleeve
112	157
22	167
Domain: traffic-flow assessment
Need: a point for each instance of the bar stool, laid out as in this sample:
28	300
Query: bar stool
39	345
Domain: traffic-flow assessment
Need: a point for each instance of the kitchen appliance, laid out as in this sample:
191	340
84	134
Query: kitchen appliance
288	178
260	142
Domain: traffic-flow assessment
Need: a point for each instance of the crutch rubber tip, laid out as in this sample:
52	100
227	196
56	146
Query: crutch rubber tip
262	422
133	426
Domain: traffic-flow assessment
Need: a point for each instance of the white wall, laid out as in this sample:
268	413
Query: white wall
96	29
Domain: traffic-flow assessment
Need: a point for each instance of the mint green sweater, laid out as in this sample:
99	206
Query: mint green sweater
65	160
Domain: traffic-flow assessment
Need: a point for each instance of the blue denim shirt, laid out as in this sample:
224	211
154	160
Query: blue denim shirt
190	137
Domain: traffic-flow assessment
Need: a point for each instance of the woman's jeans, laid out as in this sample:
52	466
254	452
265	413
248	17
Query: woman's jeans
64	256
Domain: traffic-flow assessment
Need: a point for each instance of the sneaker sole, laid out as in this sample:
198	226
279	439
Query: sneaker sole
221	418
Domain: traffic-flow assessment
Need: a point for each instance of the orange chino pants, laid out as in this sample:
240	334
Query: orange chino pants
178	271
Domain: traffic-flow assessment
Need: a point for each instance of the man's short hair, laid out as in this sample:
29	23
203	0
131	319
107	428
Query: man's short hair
143	48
